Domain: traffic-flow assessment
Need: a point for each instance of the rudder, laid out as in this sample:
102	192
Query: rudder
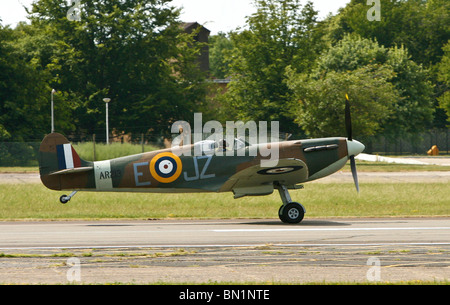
57	156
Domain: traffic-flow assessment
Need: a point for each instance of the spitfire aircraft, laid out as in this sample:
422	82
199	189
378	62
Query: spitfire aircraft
165	171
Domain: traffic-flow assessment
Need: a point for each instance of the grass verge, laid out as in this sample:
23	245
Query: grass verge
365	166
34	201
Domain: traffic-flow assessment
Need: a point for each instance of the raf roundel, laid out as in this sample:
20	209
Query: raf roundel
166	167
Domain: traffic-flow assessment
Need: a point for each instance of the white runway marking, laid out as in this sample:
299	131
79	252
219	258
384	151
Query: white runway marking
120	231
199	234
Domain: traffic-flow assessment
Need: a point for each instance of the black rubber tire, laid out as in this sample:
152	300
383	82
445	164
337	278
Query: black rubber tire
63	199
292	213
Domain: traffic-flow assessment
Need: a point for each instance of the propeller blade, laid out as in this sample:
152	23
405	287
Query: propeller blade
348	119
354	147
355	175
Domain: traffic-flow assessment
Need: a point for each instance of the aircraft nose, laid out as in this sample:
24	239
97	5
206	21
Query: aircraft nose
354	147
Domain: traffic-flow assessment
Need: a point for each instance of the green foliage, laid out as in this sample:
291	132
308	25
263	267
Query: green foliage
220	46
350	53
414	109
134	52
390	93
319	103
444	77
421	26
19	154
22	90
279	34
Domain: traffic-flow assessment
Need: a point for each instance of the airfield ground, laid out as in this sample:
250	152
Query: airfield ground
386	250
258	251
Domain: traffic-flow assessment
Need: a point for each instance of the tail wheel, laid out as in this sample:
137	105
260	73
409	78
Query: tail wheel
292	213
64	199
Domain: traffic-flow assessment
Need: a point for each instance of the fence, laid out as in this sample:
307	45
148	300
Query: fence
19	153
26	153
412	144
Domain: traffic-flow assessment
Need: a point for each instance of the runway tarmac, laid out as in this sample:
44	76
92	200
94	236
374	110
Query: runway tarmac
219	233
193	251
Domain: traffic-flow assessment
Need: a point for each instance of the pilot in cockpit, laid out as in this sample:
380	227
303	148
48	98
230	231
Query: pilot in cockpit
223	145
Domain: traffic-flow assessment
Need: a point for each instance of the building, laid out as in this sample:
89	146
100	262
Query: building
202	37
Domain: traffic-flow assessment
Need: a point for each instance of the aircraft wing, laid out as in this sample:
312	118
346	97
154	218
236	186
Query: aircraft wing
257	180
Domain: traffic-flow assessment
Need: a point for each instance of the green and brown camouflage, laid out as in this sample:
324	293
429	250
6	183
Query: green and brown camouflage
170	171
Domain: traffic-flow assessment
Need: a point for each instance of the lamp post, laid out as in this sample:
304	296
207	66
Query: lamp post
53	120
107	100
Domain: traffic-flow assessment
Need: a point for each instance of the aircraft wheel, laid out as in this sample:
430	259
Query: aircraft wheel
292	213
64	199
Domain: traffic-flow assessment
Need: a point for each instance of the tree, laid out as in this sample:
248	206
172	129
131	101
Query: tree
220	46
24	92
279	34
133	52
319	103
444	77
418	25
412	110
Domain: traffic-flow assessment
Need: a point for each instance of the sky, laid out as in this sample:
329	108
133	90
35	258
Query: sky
216	15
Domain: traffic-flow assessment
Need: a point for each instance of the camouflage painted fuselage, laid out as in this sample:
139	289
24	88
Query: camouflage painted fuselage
163	171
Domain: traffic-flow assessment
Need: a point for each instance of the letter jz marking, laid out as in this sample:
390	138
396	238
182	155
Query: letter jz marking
198	175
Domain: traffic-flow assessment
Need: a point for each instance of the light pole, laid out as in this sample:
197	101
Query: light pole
107	100
53	120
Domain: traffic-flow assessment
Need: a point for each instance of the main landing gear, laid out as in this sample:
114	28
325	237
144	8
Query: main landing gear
65	199
289	212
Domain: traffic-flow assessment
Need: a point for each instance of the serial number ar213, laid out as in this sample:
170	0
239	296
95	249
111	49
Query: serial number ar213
110	174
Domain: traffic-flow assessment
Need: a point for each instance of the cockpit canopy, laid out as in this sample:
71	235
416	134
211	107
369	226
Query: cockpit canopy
209	147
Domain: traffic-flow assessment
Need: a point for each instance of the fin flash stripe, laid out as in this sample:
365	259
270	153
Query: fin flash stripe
67	157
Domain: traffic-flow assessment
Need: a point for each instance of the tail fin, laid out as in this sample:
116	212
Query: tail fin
57	157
